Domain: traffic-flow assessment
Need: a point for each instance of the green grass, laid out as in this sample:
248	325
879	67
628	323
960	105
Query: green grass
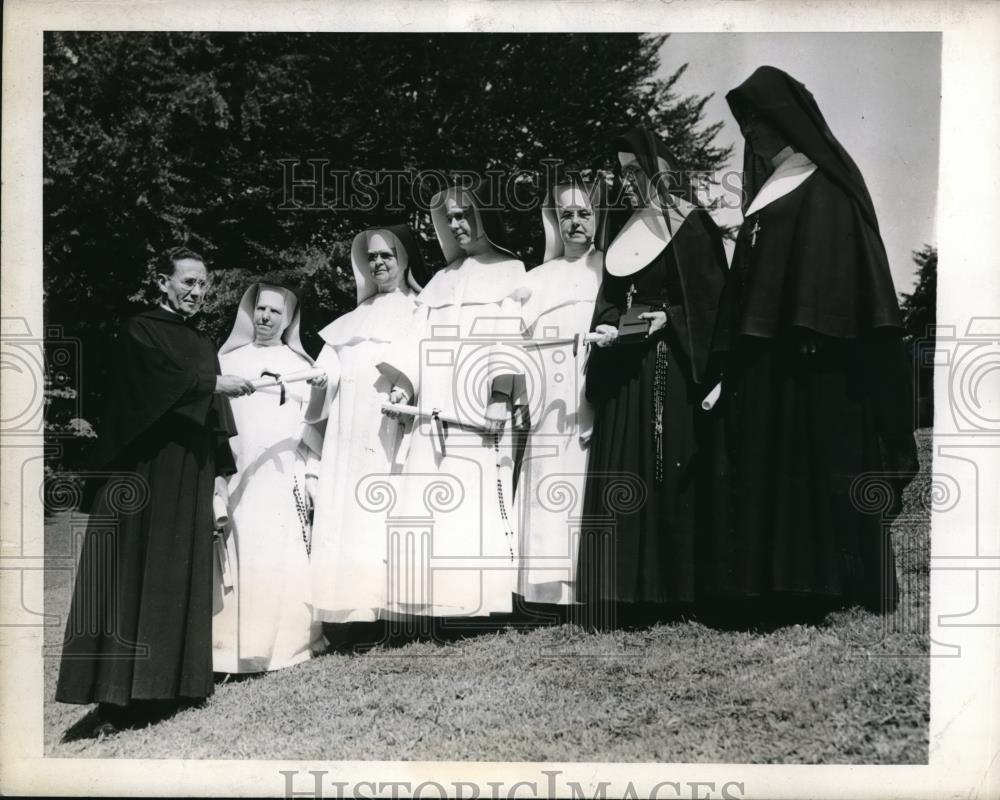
853	690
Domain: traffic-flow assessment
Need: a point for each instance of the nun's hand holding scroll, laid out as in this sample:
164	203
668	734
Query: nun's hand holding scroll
397	397
319	382
657	321
497	413
606	335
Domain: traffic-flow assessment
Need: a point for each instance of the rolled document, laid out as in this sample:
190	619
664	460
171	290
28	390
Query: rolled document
581	338
418	413
220	511
291	377
222	556
712	397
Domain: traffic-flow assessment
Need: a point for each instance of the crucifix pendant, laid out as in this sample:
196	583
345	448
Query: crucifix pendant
754	231
628	297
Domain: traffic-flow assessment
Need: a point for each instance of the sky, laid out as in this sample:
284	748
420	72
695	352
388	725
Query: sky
880	94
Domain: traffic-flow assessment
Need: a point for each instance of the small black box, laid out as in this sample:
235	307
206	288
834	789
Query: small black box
630	327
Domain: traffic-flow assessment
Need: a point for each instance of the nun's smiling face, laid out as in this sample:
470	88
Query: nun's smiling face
269	317
461	222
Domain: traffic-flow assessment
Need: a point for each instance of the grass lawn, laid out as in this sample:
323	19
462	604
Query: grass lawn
853	690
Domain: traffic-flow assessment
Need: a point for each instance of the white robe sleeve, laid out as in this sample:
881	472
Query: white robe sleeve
318	409
319	402
506	361
401	364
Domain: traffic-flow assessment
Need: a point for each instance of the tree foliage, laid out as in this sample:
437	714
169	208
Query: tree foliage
919	318
920	306
157	139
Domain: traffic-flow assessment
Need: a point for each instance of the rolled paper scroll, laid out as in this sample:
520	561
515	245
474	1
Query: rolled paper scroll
222	555
291	377
418	413
580	338
220	511
712	397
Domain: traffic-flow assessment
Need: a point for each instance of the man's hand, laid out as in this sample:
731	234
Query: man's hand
232	385
608	335
497	413
397	397
657	320
319	382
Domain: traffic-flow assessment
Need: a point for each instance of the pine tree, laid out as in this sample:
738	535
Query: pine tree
919	318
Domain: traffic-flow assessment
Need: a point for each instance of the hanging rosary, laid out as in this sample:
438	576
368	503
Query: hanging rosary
659	390
303	512
508	531
659	394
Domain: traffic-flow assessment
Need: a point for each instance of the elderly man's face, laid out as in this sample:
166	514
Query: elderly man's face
184	290
576	216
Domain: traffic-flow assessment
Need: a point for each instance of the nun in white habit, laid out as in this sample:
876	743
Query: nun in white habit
457	478
349	540
555	303
263	620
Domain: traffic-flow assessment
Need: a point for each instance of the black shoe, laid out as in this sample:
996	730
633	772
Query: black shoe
90	726
104	729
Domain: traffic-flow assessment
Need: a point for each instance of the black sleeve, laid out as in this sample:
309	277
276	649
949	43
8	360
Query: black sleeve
701	268
601	360
607	310
223	427
890	378
152	378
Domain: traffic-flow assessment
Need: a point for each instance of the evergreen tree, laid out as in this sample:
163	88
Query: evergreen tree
919	318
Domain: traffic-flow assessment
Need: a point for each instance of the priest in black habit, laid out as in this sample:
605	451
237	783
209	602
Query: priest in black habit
656	310
140	626
817	390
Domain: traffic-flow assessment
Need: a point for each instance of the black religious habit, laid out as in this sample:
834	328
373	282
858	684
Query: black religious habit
817	389
648	484
140	624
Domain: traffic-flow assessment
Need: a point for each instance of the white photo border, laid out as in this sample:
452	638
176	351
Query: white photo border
964	749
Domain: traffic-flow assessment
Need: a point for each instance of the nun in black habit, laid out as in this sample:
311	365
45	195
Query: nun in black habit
817	391
645	489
